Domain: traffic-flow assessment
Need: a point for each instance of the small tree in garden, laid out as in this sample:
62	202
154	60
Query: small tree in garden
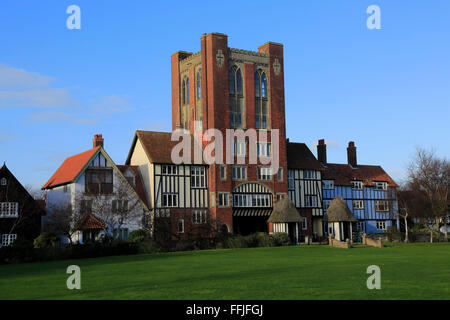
431	175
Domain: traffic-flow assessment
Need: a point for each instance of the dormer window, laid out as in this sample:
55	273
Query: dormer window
380	185
357	185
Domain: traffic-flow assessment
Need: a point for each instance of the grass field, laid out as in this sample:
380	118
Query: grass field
414	271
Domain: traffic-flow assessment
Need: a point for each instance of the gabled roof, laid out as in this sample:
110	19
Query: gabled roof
92	222
139	185
342	174
300	157
70	168
158	146
338	211
284	211
40	204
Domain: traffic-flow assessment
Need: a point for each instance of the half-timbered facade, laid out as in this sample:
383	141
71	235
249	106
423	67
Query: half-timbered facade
305	188
175	191
369	192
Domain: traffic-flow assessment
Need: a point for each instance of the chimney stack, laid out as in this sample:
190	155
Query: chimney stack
98	140
351	154
322	152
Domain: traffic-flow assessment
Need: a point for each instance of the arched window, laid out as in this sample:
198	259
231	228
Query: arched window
185	103
3	182
183	92
261	109
236	97
199	84
187	90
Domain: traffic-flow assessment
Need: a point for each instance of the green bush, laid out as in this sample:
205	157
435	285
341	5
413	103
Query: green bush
259	239
45	240
281	239
148	246
234	241
138	235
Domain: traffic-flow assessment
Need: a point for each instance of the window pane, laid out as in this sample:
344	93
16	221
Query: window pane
257	93
239	82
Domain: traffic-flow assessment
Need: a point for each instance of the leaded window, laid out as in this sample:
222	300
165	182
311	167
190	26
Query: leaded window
261	102
236	97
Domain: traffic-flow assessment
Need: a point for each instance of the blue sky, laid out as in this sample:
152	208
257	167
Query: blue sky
388	90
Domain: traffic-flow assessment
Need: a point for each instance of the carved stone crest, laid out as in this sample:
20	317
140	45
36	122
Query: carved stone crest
220	58
276	66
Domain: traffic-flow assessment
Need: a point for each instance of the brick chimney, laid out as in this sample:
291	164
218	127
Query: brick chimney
98	140
322	152
351	154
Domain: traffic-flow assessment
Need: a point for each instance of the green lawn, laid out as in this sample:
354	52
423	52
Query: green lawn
414	271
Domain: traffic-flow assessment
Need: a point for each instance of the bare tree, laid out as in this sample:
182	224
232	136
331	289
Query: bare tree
431	175
412	204
63	220
116	209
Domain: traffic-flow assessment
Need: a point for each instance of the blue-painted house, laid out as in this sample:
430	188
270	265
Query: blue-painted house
369	192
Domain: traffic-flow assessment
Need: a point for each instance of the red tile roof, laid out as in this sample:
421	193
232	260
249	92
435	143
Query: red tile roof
342	174
139	185
92	222
300	157
70	168
158	146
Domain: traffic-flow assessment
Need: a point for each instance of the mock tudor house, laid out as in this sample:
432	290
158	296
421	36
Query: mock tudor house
20	213
221	88
99	193
367	190
305	188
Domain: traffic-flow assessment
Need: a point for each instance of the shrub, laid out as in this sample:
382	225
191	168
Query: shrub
148	246
138	235
45	240
20	251
234	241
259	239
281	239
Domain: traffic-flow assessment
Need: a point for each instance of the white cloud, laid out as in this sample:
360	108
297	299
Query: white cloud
110	105
37	98
18	78
56	116
20	88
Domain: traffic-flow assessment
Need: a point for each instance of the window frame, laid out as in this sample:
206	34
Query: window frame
264	173
381	223
379	203
357	185
182	226
9	209
327	184
304	223
198	179
384	185
358	207
165	200
242	171
8	239
311	204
